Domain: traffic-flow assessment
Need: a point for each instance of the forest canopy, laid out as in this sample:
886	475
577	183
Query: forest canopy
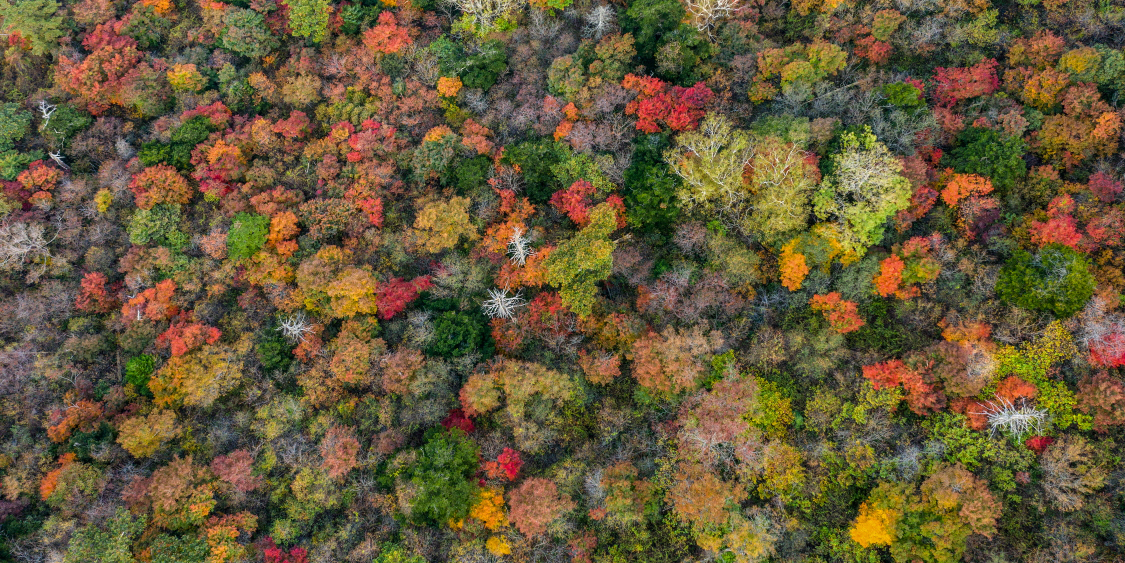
566	281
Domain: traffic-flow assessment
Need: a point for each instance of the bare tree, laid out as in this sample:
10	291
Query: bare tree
483	14
1016	420
46	111
295	327
500	304
705	14
519	247
1070	472
23	242
600	22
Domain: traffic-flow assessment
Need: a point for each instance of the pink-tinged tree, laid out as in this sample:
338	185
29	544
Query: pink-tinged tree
673	361
710	420
237	470
1102	396
535	504
339	449
1104	186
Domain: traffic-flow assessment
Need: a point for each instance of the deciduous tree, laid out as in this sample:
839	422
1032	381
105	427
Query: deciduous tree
535	504
865	189
579	263
673	361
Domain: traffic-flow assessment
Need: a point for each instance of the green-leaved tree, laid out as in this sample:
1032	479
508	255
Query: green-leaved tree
578	264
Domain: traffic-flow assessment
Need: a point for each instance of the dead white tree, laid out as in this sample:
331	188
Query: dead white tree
500	304
519	247
57	157
295	327
21	242
1016	420
600	22
46	111
482	15
706	14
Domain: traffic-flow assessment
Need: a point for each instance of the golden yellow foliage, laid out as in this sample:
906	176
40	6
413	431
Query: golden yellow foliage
198	378
160	6
437	133
874	526
442	224
185	77
793	266
498	545
448	87
490	509
352	293
142	436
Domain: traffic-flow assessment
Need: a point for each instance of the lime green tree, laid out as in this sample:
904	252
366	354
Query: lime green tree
864	189
247	235
710	160
309	18
578	264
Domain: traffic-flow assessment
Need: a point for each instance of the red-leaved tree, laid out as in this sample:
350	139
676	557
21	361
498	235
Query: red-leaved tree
393	296
952	85
656	104
922	397
575	201
186	335
842	315
507	465
94	295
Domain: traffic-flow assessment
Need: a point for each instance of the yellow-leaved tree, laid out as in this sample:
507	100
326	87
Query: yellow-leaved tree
198	378
143	435
440	225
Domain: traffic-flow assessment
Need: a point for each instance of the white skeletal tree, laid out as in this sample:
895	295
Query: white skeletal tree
706	14
519	247
599	22
21	242
500	304
295	326
1003	415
